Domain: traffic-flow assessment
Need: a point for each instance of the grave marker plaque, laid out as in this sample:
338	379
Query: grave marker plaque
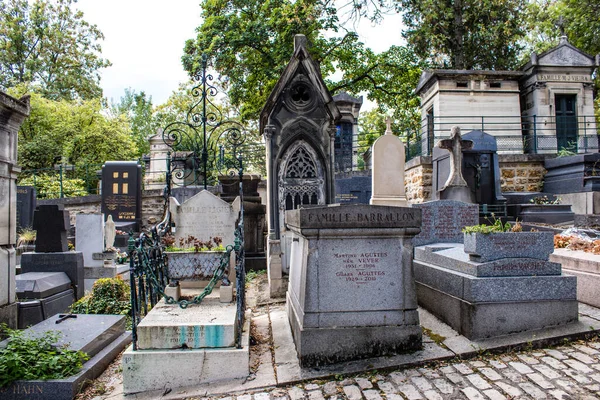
122	192
26	203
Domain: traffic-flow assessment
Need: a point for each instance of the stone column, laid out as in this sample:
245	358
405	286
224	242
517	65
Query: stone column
331	170
12	114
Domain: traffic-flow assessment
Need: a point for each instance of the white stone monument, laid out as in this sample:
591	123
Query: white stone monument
204	216
388	170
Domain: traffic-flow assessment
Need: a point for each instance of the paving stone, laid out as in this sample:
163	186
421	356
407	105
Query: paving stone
443	386
472	393
447	369
577	376
428	373
539	380
387	387
595	388
586	349
463	369
490	374
595	345
371	395
410	392
432	395
509	390
412	372
568	385
547	371
532	390
521	368
595	377
422	383
227	398
559	394
311	386
353	392
262	396
553	362
478	382
581	367
330	388
363	383
347	382
513	375
394	397
455	378
296	393
528	359
493	394
584	358
556	354
245	397
497	364
477	364
398	377
315	395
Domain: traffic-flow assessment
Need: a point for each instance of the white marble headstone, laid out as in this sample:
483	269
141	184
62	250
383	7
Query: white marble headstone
89	237
204	216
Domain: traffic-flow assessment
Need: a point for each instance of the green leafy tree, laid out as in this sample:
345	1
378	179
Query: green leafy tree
76	132
465	34
250	42
47	43
138	109
580	21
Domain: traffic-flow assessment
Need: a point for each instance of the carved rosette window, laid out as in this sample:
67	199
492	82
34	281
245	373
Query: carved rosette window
301	178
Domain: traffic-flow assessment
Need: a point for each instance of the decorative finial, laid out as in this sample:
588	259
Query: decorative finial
455	130
388	123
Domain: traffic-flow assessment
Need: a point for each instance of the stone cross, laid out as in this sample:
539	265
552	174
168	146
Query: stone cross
456	146
388	126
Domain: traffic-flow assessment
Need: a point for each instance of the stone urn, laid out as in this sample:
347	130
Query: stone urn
484	247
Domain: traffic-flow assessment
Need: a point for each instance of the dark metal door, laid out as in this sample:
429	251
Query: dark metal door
566	122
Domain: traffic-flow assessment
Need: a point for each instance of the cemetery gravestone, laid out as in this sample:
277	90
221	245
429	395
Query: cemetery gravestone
456	187
353	188
203	216
443	221
52	255
51	223
388	170
351	292
122	193
26	204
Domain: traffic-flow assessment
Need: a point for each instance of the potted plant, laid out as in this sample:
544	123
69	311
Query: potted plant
193	259
496	241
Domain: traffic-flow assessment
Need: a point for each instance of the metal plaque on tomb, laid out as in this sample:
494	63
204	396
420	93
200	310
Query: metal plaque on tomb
26	203
122	193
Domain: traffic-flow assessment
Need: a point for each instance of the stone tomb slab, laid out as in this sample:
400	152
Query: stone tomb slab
204	216
440	254
208	325
70	262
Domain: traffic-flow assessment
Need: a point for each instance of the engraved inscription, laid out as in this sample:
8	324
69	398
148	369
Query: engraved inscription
360	267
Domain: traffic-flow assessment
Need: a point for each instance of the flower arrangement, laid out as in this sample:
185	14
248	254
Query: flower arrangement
192	243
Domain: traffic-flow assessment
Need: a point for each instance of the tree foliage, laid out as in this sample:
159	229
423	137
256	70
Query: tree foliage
47	43
138	109
465	34
77	131
251	41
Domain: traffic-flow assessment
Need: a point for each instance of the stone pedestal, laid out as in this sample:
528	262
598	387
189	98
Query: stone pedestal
200	335
351	293
70	262
275	269
495	296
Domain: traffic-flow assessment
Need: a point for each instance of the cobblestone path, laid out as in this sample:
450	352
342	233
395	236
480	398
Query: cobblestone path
566	372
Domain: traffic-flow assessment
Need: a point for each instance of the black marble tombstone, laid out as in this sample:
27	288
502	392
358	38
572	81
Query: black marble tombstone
51	248
26	203
51	222
480	169
122	193
353	187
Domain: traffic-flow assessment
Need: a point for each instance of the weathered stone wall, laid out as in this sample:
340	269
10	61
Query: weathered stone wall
518	173
417	179
152	206
522	172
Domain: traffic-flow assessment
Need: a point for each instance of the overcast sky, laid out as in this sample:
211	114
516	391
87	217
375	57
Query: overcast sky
144	41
